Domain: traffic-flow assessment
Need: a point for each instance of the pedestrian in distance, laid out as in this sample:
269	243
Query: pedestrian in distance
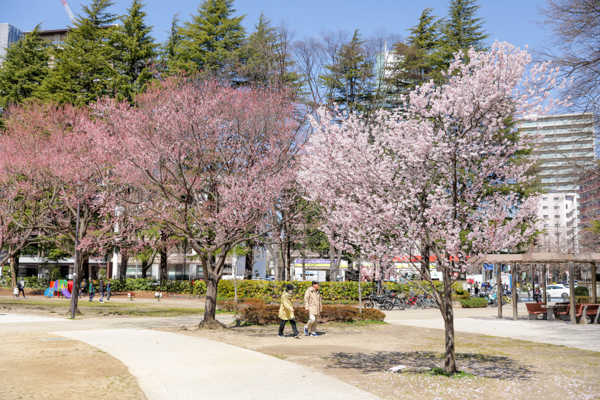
476	286
101	289
108	290
21	286
92	291
286	312
81	288
312	303
16	291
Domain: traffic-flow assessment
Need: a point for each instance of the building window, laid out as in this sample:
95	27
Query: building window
546	216
557	216
556	199
547	225
545	207
557	226
544	198
556	207
566	206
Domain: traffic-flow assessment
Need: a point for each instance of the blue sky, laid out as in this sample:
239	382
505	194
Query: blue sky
506	20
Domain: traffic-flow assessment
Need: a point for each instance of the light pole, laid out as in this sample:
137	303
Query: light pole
75	291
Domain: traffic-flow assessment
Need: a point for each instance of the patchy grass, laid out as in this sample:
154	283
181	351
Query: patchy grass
441	371
87	308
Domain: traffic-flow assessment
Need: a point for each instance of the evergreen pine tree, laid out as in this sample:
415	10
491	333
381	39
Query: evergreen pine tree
461	31
210	41
23	69
349	79
264	58
83	68
168	55
135	50
410	63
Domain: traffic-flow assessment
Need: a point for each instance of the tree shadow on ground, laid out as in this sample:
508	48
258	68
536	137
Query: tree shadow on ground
480	365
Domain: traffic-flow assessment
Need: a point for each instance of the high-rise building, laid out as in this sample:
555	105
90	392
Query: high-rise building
566	149
8	35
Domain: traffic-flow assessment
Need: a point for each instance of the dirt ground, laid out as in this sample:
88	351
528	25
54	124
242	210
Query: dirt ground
34	366
362	355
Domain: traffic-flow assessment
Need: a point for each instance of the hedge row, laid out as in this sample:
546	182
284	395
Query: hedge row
269	314
475	302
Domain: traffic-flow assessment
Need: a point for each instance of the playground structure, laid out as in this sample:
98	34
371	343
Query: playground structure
59	287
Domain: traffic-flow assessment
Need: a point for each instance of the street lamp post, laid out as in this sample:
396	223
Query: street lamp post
75	291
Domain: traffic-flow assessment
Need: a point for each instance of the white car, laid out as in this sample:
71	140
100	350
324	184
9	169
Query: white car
556	291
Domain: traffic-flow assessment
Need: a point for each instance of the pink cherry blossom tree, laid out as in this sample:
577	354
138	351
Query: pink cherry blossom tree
209	161
436	177
48	150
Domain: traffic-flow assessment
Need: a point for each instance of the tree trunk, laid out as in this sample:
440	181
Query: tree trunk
145	267
360	285
212	276
334	264
303	263
14	268
73	309
123	267
249	267
448	315
164	267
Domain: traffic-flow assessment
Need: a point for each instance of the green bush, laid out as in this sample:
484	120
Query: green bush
264	290
462	296
581	291
269	314
583	299
475	302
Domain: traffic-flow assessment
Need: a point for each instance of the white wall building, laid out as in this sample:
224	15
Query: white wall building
8	35
568	147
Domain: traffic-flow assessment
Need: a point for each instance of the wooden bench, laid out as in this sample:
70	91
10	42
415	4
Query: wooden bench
535	309
589	310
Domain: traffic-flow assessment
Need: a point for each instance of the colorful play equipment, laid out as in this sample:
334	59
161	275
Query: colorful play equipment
59	287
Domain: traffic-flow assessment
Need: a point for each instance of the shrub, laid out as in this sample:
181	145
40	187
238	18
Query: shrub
462	296
269	314
583	299
581	291
475	302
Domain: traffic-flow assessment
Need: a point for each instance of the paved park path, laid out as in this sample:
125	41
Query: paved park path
585	337
178	367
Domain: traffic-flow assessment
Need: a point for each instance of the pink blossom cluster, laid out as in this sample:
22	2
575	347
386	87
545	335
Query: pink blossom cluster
436	176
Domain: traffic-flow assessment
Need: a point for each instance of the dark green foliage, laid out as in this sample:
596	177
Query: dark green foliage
24	69
264	59
460	31
269	314
134	50
475	302
84	68
581	291
209	42
413	63
349	80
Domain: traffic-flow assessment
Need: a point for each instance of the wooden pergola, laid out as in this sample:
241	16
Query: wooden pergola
544	258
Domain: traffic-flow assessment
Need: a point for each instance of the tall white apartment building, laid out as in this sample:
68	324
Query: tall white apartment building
567	149
8	35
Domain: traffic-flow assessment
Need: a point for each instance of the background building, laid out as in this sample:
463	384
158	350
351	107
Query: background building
566	151
8	35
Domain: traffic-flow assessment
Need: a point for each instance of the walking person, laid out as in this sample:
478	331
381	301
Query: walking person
91	287
476	286
81	288
312	303
21	286
108	290
101	290
286	312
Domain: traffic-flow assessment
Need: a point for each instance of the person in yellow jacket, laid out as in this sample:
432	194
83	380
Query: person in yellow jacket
312	304
286	312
